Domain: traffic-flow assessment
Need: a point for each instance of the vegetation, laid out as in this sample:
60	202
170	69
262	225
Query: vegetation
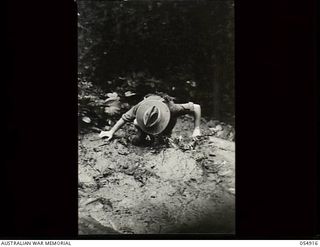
127	49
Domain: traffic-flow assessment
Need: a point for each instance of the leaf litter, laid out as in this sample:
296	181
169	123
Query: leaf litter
169	187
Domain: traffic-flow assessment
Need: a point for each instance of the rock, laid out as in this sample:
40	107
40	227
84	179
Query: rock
88	225
232	190
85	180
221	134
81	193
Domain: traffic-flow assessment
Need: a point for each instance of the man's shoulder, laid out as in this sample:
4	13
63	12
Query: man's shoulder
153	97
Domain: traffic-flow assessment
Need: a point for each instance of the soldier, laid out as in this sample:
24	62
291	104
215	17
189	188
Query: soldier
155	116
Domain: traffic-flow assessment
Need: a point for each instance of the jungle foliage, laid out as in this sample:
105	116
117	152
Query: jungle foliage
131	48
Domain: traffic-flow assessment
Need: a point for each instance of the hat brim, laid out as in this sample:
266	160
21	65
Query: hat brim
164	119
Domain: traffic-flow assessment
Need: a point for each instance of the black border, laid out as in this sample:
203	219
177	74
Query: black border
40	105
276	122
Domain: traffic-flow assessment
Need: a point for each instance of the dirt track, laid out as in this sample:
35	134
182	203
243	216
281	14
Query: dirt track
128	189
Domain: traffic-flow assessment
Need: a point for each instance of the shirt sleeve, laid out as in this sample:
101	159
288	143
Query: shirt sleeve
181	109
130	115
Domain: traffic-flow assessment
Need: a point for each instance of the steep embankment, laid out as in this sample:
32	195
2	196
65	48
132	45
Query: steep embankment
182	188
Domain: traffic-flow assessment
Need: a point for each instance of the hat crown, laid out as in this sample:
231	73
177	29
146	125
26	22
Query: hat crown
151	116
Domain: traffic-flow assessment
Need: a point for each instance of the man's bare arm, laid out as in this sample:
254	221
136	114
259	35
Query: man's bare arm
197	119
113	130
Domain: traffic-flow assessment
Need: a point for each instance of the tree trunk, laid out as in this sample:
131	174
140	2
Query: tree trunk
216	92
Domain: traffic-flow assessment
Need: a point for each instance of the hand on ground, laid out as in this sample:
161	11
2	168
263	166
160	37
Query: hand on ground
196	133
107	134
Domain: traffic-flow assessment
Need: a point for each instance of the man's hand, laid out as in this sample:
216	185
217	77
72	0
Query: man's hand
108	134
196	132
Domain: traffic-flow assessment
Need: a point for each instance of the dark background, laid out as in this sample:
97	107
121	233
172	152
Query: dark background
182	48
276	121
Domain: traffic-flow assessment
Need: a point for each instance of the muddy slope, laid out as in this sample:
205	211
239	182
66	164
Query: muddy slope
184	187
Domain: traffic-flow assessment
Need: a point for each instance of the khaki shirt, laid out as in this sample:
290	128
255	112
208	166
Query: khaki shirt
176	110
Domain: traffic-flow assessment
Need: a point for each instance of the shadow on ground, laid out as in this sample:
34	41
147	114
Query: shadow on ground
158	189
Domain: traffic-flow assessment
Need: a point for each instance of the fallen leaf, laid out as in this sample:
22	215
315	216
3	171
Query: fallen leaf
86	119
111	101
112	110
129	93
112	95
